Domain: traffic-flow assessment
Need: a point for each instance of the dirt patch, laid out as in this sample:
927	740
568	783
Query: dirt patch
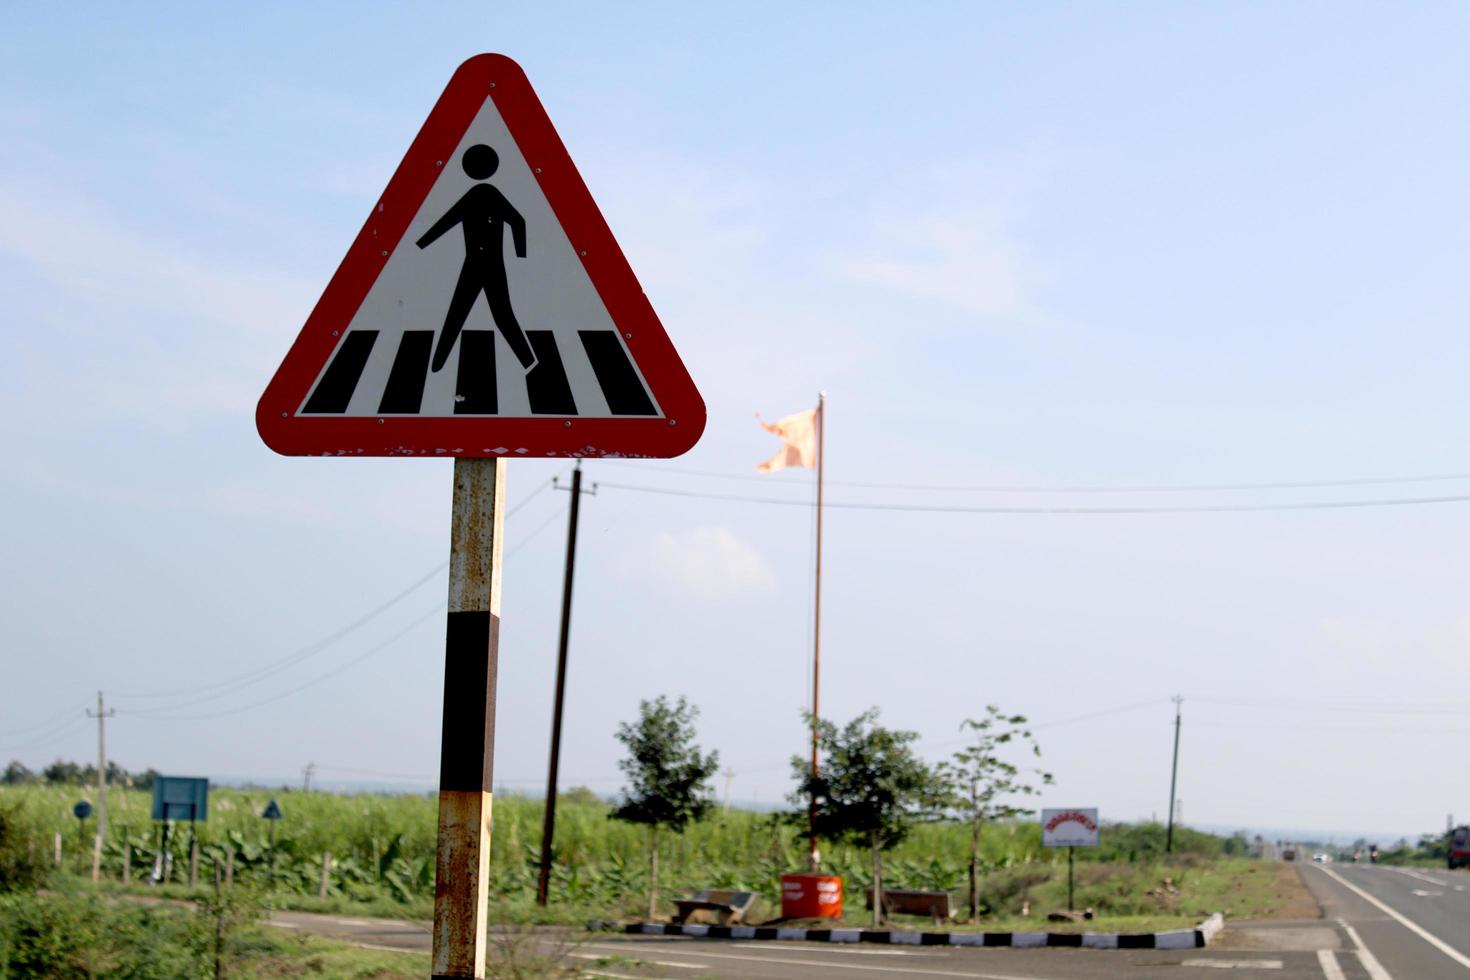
1297	901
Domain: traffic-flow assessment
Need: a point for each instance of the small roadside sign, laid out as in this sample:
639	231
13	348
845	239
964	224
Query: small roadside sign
180	798
485	309
272	811
1069	827
82	810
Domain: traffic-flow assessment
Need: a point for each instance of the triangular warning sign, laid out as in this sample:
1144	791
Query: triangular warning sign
485	309
272	811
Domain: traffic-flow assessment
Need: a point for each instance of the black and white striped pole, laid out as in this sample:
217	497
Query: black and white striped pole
467	747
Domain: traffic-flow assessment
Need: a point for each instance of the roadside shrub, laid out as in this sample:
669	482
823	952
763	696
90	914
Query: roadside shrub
23	864
79	934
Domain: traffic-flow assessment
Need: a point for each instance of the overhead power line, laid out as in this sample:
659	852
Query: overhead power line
158	715
50	737
255	675
961	509
66	714
1348	707
248	678
1073	488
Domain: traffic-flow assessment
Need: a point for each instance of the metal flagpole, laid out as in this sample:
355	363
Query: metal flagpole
467	749
815	855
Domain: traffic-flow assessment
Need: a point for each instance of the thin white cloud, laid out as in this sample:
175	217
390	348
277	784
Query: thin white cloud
947	237
84	250
964	260
706	563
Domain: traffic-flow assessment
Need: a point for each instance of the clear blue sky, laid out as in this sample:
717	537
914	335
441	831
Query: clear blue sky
1078	245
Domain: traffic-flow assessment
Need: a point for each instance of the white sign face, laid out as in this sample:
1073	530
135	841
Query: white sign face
1070	827
531	333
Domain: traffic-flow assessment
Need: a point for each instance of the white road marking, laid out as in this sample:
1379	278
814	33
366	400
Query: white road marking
1330	969
886	968
657	963
833	949
1421	876
1236	964
1424	894
385	949
1402	920
1370	962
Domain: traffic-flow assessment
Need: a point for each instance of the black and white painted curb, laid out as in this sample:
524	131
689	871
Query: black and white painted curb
1175	939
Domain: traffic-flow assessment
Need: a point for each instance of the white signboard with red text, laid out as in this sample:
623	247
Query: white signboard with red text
1069	827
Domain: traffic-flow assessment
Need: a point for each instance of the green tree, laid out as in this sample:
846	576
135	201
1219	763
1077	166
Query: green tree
16	774
870	789
668	777
61	773
979	785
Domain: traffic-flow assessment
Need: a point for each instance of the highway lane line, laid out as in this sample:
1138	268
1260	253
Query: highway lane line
844	950
1370	962
886	968
1235	964
1420	876
1402	920
643	959
388	949
1330	969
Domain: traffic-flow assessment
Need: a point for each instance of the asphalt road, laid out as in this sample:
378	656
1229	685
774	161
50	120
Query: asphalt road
1416	922
1378	923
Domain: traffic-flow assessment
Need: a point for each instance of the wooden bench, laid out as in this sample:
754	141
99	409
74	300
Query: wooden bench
728	907
900	901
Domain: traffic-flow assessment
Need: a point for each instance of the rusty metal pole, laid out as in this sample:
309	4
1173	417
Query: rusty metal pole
467	748
815	856
548	825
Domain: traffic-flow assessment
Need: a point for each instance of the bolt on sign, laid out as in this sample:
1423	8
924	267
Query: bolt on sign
483	313
485	308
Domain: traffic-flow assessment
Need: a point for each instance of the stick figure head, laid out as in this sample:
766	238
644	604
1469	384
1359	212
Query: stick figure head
480	161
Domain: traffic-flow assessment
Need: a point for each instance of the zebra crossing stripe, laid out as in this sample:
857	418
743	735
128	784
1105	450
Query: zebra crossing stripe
475	382
615	374
339	381
547	386
404	392
546	383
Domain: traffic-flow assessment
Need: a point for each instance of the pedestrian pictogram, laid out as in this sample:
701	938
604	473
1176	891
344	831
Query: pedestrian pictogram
525	334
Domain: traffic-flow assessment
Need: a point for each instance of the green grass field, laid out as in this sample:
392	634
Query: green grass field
383	859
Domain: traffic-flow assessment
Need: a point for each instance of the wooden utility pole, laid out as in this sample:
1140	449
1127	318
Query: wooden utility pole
548	824
1173	778
467	748
101	715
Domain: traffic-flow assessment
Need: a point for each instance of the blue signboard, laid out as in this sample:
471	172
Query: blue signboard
180	798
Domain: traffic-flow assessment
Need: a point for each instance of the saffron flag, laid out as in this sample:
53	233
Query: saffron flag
799	433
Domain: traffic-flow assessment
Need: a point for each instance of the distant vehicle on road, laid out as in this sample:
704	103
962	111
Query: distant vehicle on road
1321	857
1459	856
1289	854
